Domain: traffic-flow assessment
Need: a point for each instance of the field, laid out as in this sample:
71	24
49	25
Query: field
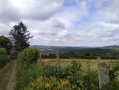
84	62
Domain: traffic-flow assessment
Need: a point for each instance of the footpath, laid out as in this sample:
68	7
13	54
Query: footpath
8	76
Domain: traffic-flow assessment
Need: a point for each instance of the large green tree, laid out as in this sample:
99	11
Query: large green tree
6	43
20	37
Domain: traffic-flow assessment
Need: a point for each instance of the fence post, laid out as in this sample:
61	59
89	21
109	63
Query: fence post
40	58
103	74
58	60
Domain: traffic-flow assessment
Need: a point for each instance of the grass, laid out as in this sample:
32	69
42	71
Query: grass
84	62
5	75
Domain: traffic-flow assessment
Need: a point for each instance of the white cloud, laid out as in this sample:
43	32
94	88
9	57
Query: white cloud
72	14
38	9
64	22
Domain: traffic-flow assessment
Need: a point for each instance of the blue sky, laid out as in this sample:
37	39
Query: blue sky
64	22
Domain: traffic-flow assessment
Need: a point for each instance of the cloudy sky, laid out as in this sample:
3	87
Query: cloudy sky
64	22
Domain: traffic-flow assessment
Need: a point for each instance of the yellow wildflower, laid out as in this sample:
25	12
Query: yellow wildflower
30	89
38	87
59	87
47	85
65	82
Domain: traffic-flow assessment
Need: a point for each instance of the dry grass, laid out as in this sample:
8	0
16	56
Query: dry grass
92	63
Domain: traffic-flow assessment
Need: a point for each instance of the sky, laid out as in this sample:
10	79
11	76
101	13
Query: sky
64	22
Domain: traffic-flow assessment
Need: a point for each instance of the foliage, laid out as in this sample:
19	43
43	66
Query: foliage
112	85
87	54
48	77
114	79
5	43
25	61
20	36
28	56
45	84
4	57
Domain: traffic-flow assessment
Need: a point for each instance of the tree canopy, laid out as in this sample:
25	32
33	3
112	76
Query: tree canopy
5	43
20	37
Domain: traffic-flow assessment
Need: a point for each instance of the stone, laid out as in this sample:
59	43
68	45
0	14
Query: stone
103	74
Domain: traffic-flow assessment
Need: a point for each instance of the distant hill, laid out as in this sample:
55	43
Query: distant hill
62	47
111	47
66	50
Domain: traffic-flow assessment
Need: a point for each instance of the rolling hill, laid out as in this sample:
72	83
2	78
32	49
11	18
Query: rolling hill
66	50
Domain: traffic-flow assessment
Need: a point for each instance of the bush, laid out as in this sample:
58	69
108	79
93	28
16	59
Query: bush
112	85
48	84
4	57
26	71
28	56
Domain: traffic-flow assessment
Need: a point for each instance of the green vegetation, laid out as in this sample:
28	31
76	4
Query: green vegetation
28	56
48	77
6	43
4	57
25	63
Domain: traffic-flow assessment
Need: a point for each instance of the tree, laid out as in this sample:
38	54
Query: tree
87	54
20	37
6	43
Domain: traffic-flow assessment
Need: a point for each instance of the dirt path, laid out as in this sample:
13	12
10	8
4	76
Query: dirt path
8	77
4	67
12	81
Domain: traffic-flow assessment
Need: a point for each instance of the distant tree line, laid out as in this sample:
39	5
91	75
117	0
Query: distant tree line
87	55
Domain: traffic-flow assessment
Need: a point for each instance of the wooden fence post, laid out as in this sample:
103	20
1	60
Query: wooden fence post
40	58
58	60
103	74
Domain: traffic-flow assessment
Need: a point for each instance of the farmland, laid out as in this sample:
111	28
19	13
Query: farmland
84	62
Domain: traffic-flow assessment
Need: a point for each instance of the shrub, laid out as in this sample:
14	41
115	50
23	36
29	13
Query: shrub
44	83
28	56
112	85
4	57
26	72
6	43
